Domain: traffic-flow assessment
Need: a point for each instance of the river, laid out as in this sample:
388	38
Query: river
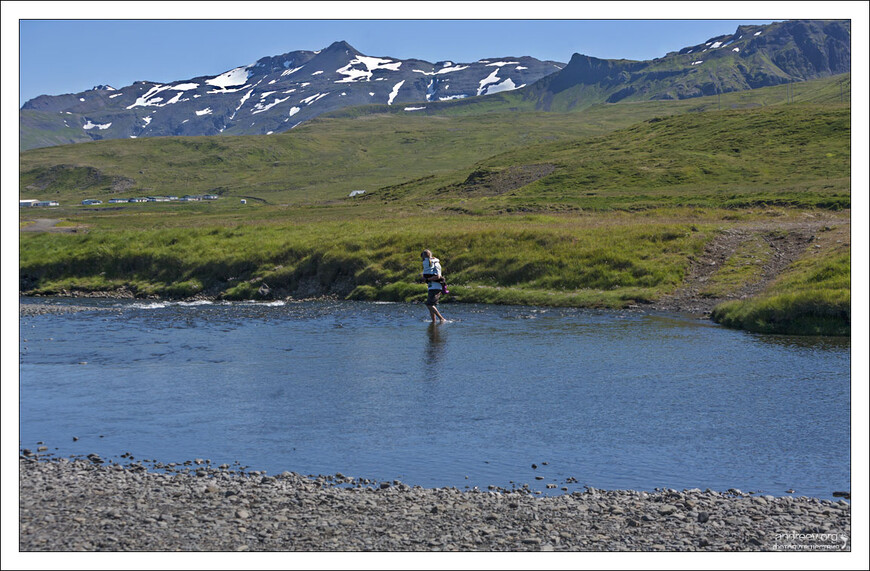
500	395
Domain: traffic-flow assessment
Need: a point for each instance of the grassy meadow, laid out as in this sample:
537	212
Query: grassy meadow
602	207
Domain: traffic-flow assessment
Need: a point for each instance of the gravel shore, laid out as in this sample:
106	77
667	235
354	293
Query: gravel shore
31	309
88	504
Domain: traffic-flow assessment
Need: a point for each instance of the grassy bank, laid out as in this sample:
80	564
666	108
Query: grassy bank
812	297
534	259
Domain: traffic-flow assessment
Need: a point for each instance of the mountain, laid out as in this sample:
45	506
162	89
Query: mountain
272	95
277	93
751	57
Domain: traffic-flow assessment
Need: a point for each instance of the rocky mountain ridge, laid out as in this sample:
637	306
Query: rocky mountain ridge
272	95
750	58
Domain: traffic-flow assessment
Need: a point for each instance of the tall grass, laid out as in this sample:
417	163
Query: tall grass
519	260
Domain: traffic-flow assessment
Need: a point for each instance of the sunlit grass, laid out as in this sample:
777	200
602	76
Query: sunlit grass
497	260
813	297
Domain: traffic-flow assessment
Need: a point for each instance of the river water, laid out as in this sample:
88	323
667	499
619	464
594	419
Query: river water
608	399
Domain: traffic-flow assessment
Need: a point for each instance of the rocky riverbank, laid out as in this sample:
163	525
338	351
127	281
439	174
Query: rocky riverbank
87	504
31	309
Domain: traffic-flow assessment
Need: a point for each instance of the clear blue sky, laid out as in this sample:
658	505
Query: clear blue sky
68	56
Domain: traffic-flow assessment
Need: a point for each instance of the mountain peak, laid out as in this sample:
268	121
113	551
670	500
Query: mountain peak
341	45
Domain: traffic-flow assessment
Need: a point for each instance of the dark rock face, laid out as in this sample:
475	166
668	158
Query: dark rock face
272	95
752	57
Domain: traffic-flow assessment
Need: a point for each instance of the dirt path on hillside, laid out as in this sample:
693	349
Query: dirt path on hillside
787	240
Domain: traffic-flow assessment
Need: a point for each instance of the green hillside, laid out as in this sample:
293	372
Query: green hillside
797	155
360	149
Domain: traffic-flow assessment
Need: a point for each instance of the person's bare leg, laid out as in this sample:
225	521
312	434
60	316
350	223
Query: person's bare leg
438	313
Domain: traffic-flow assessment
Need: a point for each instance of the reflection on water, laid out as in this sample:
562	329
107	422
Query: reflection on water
606	399
437	338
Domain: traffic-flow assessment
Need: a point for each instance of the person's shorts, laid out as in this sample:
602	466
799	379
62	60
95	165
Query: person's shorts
433	297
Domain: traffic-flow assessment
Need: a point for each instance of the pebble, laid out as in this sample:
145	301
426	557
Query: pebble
80	505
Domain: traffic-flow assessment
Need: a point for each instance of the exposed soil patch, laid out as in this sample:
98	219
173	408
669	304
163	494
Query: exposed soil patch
49	225
486	182
786	240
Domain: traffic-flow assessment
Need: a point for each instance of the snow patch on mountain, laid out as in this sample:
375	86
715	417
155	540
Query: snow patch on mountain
353	72
146	100
206	111
502	63
232	78
89	125
395	92
313	98
217	91
449	69
491	78
506	85
260	107
241	102
175	99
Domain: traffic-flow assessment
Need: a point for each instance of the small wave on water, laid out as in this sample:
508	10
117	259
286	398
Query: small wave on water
198	303
276	303
150	305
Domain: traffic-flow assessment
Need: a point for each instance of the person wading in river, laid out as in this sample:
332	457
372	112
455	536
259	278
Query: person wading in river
431	276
